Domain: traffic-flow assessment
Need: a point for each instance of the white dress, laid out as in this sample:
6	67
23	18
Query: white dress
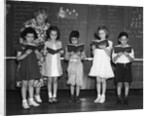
52	66
101	66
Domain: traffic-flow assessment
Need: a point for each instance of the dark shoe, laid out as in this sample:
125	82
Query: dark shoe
125	102
119	101
77	99
71	99
55	100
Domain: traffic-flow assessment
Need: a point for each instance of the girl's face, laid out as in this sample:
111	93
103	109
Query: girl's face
123	40
53	35
102	34
29	37
40	19
74	40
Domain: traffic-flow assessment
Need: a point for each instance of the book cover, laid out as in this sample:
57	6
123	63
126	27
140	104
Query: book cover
97	43
52	51
40	47
75	48
32	47
122	49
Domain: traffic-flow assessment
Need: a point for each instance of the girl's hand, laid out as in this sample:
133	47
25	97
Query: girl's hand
28	52
72	53
61	51
126	53
120	53
45	52
78	53
102	46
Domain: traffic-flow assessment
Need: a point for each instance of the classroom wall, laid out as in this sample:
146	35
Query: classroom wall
116	18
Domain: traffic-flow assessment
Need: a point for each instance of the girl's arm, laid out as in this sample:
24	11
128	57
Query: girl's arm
108	49
93	48
61	51
116	56
39	55
130	56
44	50
21	56
67	54
81	55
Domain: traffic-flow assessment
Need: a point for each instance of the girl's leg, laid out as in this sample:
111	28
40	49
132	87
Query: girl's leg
31	88
126	84
102	100
77	93
37	94
31	93
24	90
98	88
103	86
72	90
72	87
55	86
24	94
119	90
49	88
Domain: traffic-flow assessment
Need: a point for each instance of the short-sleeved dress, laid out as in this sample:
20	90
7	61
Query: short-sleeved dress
101	66
52	66
75	71
28	68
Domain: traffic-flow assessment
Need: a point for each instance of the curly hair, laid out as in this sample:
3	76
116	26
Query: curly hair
42	11
28	30
75	34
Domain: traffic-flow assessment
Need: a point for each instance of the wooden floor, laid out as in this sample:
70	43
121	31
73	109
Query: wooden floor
13	102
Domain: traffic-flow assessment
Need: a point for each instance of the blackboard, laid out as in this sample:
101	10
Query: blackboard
116	18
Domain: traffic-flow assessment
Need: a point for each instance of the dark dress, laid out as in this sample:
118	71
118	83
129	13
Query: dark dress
28	68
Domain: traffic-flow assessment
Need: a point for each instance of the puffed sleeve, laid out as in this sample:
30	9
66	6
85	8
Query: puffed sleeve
132	53
114	55
110	47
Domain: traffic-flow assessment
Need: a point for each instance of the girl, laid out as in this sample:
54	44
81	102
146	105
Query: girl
101	68
123	67
75	67
28	71
52	67
40	24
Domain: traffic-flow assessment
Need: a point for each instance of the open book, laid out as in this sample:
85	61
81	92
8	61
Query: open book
52	51
75	48
97	43
122	49
31	47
